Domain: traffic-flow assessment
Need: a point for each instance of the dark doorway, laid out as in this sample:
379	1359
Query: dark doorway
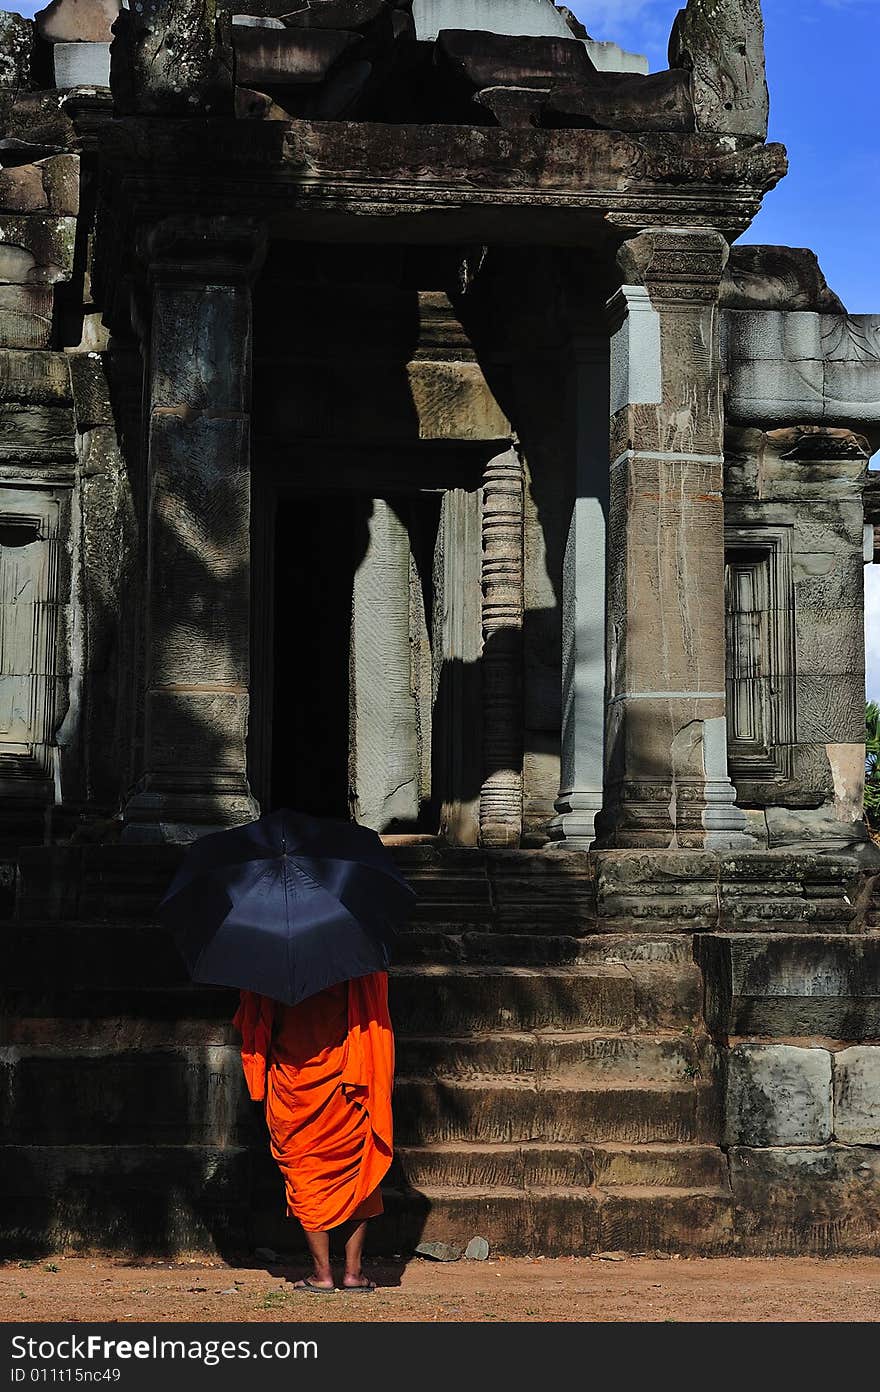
368	701
320	540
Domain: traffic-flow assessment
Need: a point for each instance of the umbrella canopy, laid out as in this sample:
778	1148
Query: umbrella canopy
286	905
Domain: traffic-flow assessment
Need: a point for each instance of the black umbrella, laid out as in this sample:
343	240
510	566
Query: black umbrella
286	905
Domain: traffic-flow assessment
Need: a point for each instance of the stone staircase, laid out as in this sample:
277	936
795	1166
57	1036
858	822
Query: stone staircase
558	1109
556	1088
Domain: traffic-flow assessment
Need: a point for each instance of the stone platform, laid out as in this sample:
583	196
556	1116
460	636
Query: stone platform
593	1054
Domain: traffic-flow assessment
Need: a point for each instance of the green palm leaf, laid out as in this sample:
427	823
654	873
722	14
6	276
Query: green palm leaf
872	763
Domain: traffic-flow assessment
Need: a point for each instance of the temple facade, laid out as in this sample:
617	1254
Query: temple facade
394	429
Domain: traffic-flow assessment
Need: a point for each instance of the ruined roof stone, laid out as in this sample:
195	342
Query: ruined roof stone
721	42
535	18
777	277
77	21
337	14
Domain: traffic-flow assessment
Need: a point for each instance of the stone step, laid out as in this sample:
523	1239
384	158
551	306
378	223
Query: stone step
150	1198
559	1221
121	1017
542	945
572	1056
427	1111
178	1198
569	1055
458	1000
133	1097
65	955
559	1165
197	1096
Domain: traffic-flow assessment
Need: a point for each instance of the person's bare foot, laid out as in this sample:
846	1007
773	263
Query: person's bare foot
317	1281
357	1281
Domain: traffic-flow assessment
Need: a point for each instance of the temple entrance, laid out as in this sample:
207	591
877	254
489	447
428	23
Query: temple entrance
318	547
371	658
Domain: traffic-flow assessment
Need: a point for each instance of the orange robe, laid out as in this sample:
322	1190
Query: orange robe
325	1069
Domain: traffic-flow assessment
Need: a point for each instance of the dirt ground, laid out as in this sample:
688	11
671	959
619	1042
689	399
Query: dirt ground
611	1288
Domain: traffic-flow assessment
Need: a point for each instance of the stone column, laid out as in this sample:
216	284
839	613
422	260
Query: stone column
502	791
197	619
583	602
666	781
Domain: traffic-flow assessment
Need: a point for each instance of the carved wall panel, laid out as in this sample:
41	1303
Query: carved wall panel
760	654
30	522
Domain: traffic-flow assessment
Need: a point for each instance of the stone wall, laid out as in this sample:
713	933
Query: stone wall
60	463
802	1109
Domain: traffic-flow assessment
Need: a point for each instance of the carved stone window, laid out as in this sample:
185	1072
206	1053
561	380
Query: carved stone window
760	655
29	540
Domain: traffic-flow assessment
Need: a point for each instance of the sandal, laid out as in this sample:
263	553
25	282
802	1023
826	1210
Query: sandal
306	1284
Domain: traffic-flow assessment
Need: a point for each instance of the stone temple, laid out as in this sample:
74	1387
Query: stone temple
392	428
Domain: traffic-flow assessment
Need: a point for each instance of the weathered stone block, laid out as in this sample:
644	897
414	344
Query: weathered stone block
819	827
774	277
200	590
36	249
822	1201
830	640
214	722
857	1095
25	316
269	58
778	1094
31	432
831	708
192	367
91	394
189	1095
453	401
78	21
495	60
661	101
791	985
60	175
38	118
38	379
165	59
826	577
515	17
675	887
124	1198
337	14
21	189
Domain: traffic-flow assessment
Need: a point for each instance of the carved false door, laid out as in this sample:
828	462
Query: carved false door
28	620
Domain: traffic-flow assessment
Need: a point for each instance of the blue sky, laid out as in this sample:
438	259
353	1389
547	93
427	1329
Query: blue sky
824	106
822	69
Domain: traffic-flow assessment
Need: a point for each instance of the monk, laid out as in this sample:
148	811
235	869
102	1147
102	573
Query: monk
324	1069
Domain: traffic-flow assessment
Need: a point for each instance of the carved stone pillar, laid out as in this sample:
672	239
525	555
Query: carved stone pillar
666	780
197	620
502	790
583	600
